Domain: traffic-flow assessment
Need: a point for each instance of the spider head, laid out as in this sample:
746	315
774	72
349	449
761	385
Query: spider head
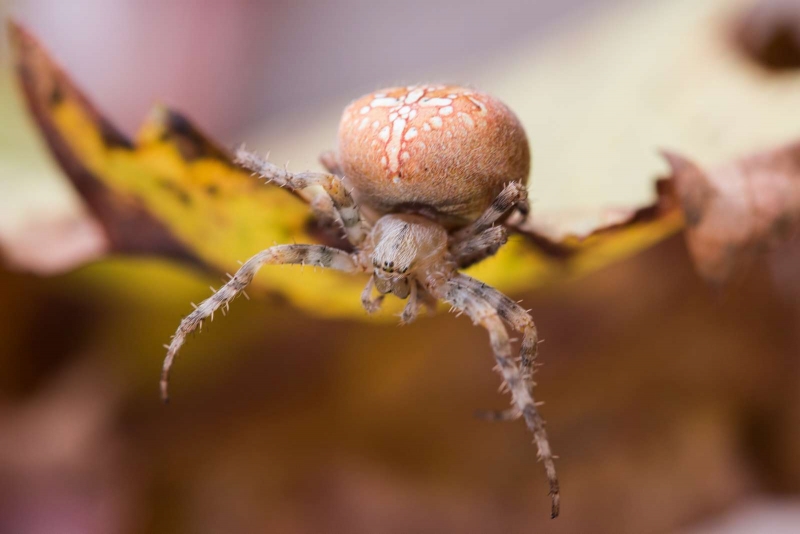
403	245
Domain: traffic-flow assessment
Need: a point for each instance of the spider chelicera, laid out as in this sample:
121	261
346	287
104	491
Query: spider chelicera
423	180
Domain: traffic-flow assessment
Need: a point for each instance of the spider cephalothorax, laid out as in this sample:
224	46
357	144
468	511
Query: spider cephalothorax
423	180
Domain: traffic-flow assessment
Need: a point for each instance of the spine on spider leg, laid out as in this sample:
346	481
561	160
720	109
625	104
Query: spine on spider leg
521	321
342	199
513	314
281	176
266	170
490	308
514	194
318	255
521	393
205	310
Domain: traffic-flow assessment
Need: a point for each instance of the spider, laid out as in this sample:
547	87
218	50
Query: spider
424	178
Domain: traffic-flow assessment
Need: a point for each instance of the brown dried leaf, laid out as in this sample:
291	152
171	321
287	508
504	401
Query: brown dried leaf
738	210
770	34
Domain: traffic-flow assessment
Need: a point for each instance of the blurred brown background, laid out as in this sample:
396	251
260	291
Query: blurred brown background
231	65
674	407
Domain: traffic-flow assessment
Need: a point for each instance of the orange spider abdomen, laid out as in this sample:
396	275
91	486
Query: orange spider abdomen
441	150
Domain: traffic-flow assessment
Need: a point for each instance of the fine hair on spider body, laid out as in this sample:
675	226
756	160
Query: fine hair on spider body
423	180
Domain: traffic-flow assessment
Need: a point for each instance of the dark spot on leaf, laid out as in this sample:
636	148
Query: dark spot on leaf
191	142
113	137
56	95
178	192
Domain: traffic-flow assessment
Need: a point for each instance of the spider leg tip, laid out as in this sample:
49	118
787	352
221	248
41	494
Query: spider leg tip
556	506
164	392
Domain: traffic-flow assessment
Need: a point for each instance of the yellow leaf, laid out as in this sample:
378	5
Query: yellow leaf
174	193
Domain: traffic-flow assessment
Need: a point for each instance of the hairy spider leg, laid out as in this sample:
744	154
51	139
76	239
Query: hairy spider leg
479	241
342	201
477	248
513	314
318	255
518	319
513	195
488	307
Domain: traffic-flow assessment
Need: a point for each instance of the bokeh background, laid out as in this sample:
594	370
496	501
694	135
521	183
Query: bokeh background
674	406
